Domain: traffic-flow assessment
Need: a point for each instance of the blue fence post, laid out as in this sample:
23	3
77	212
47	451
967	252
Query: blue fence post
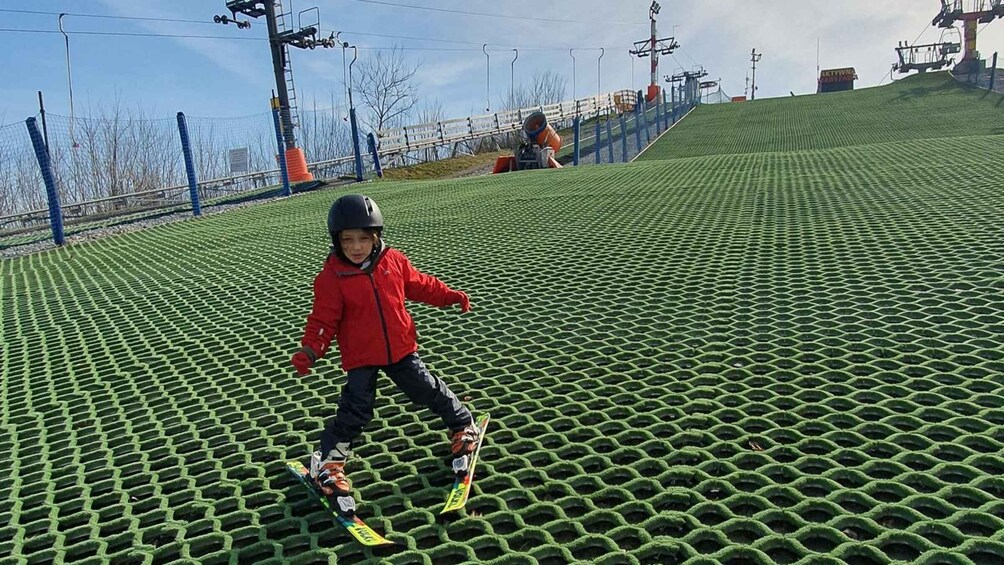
624	156
355	145
45	165
665	110
637	124
658	115
644	124
186	149
610	141
283	169
993	72
575	149
596	144
371	141
662	112
672	94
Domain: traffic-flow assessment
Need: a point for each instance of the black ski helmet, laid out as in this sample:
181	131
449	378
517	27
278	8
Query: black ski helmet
353	211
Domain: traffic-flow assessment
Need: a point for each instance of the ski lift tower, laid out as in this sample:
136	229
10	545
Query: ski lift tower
926	57
970	13
653	47
673	80
280	37
691	83
705	87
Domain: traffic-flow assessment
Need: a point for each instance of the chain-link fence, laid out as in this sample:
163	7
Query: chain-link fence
117	164
620	137
19	175
120	165
986	77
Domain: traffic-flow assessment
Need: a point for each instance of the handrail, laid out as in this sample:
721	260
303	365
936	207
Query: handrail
422	136
408	138
22	216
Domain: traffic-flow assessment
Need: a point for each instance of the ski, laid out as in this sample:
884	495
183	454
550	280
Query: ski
463	469
345	513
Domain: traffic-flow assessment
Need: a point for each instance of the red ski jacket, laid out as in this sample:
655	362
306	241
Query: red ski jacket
366	312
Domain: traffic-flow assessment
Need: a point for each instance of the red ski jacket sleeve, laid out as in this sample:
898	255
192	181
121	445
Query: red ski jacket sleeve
421	287
325	316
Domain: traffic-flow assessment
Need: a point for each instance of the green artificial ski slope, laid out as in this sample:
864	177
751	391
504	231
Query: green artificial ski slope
917	107
785	357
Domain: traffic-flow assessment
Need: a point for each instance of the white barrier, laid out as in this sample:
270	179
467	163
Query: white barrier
422	136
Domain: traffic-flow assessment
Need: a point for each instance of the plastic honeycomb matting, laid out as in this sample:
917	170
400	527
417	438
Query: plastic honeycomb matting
770	358
924	106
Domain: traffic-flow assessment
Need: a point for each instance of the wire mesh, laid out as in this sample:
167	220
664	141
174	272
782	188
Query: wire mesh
117	162
21	188
111	155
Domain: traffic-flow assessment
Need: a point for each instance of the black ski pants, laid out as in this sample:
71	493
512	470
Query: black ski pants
355	407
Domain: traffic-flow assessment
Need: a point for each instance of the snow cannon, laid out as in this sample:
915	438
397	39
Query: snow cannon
537	152
537	130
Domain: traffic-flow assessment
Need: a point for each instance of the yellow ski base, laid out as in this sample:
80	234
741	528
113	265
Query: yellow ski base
461	490
356	527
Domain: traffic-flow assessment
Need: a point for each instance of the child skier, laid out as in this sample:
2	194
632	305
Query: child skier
359	300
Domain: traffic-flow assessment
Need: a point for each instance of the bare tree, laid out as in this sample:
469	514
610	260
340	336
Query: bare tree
323	132
432	112
544	88
388	87
20	182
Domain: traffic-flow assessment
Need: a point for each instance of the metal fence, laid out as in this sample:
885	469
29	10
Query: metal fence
986	78
619	137
422	136
119	164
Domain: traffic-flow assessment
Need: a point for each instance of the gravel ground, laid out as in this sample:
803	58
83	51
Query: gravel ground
478	171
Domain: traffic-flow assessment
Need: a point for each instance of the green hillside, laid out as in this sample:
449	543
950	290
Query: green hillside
771	357
917	107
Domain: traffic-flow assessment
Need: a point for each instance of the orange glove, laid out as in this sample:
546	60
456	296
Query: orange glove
303	360
460	298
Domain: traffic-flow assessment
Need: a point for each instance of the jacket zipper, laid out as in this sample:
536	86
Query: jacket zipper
383	322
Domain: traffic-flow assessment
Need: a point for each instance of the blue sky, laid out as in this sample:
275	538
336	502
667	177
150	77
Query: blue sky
232	76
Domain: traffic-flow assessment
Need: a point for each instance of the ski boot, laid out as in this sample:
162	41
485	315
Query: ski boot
463	442
328	474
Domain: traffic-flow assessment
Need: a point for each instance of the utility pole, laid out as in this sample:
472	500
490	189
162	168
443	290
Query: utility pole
279	39
69	82
570	54
653	11
488	78
600	58
756	59
653	47
512	82
279	63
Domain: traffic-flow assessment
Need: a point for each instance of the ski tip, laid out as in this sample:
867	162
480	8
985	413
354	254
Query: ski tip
363	533
296	467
